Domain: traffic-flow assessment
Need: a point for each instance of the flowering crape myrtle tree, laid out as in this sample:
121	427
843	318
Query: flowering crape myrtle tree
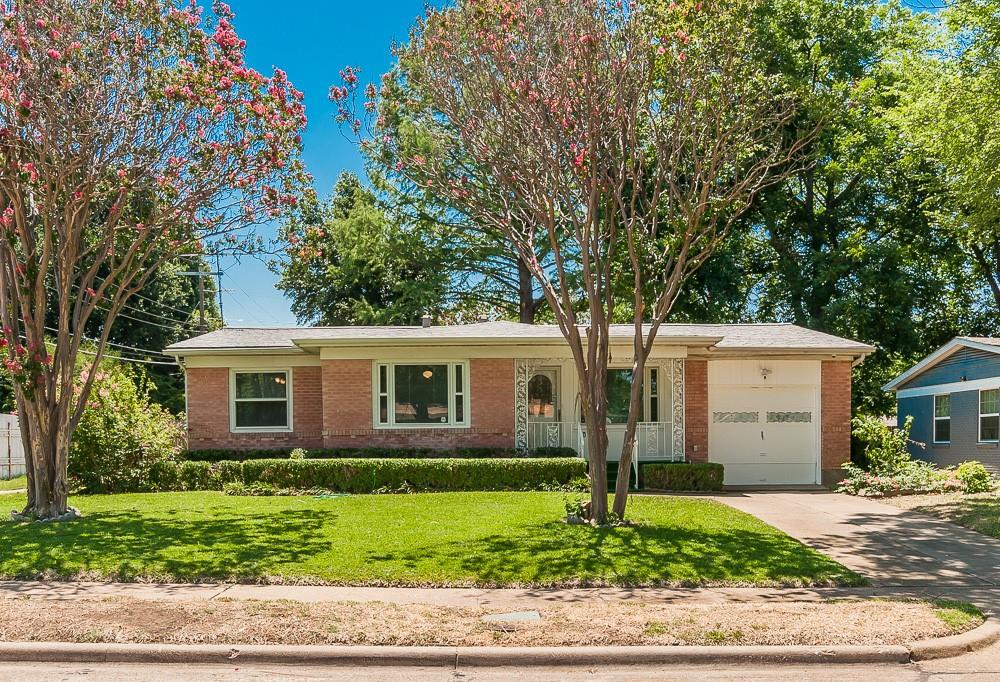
626	138
131	131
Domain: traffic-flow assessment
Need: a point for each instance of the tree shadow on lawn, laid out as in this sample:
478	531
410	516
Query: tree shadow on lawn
554	553
123	546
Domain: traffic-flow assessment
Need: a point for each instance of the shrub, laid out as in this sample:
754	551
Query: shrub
377	475
885	449
124	442
975	478
375	453
914	477
683	476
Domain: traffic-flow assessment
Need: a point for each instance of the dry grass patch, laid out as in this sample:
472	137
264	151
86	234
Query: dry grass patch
980	512
874	622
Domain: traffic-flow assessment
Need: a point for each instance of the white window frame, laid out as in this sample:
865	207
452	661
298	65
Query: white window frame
647	394
934	436
452	395
288	399
979	408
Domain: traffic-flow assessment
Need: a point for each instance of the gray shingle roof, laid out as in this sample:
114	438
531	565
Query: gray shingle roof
720	336
990	340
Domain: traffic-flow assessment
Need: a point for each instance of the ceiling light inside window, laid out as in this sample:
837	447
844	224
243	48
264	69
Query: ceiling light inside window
428	374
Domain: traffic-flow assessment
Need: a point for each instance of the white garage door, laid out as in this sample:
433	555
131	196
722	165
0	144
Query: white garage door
764	435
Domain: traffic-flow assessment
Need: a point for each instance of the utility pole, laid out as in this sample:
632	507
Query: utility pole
202	320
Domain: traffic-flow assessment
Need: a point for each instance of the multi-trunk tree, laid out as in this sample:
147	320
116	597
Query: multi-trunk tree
131	131
610	133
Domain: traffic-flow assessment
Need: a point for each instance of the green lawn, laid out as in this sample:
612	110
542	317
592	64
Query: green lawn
16	483
426	539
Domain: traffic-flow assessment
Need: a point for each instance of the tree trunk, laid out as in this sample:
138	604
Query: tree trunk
597	453
526	304
593	395
628	446
46	453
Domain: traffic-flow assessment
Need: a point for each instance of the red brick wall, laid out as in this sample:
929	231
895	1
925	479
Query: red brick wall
696	410
835	404
208	412
332	407
348	419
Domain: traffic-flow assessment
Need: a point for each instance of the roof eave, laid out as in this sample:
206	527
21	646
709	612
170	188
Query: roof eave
490	341
237	350
937	356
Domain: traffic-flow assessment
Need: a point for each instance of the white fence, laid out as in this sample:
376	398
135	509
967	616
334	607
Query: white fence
11	447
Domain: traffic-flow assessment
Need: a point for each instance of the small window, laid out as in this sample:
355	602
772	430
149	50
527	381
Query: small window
789	417
735	417
421	395
654	394
260	401
942	418
989	415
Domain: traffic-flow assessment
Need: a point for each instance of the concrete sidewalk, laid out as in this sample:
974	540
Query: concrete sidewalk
512	599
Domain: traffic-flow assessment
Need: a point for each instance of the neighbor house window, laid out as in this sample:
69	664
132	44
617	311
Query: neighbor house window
942	418
261	401
989	415
420	395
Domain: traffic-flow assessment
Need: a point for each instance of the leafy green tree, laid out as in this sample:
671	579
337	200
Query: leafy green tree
845	245
347	262
950	100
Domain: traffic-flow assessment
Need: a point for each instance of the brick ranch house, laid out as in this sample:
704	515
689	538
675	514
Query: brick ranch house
772	402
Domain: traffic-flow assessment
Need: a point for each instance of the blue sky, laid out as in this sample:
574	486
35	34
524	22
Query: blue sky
311	40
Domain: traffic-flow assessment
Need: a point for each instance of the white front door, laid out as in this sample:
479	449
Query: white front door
765	435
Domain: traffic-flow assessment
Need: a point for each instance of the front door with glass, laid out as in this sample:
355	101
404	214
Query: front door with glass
544	412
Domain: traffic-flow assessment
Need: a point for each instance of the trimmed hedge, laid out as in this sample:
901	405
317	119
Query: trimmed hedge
359	475
375	453
683	476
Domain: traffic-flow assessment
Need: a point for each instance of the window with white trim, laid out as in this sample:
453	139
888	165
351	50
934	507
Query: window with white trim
260	400
942	418
989	415
422	394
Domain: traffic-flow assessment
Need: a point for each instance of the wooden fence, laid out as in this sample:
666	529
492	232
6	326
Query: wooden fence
11	447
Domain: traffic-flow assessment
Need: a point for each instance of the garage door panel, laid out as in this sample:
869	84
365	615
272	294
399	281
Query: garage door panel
769	474
764	435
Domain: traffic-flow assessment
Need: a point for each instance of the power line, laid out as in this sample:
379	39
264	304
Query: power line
124	359
183	324
118	345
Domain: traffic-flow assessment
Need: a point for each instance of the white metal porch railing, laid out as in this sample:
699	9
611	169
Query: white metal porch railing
653	440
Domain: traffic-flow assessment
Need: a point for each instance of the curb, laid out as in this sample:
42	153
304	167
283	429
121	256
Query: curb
443	657
495	657
946	647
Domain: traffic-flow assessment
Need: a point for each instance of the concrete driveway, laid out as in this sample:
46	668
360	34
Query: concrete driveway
893	548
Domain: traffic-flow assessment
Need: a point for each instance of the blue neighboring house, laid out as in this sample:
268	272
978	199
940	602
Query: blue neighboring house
953	396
